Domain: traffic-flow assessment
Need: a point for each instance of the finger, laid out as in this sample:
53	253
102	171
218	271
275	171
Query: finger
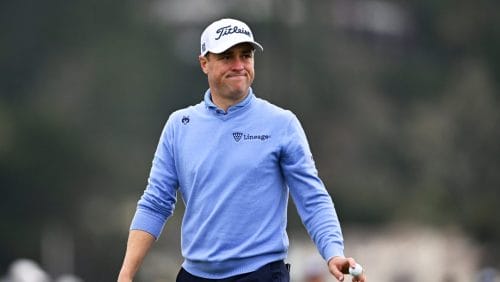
361	278
352	262
337	273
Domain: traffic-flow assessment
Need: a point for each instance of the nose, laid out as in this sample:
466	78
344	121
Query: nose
238	64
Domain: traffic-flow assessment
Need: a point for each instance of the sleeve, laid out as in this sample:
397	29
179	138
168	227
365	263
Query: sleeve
314	204
158	200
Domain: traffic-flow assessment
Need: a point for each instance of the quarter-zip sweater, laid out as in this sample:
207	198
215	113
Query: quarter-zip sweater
235	170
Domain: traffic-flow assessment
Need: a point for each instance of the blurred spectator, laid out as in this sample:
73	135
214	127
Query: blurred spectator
25	270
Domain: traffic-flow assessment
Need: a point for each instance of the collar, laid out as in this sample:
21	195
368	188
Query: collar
209	104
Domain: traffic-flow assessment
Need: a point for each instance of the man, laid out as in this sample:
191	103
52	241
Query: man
234	158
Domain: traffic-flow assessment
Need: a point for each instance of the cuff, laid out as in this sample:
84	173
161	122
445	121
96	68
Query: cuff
145	221
332	251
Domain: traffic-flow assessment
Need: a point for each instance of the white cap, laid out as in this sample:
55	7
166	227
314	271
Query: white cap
224	34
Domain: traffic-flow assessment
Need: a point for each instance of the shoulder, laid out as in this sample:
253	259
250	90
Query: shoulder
273	110
184	115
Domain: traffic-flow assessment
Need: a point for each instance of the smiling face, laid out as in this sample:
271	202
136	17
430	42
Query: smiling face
229	74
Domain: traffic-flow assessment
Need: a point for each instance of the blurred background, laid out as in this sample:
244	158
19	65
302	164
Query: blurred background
400	101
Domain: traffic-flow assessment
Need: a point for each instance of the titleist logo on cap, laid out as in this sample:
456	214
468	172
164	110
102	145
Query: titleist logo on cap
223	34
226	30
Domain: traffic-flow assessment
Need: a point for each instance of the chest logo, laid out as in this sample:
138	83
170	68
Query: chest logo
238	136
185	120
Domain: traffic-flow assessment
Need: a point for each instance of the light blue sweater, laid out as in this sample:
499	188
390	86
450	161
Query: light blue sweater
234	171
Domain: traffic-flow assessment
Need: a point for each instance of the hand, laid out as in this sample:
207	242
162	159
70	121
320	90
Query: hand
339	266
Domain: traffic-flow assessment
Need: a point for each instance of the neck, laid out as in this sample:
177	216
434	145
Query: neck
225	103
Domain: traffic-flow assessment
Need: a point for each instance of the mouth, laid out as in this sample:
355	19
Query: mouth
237	75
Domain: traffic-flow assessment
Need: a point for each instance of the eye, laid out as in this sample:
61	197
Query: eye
224	57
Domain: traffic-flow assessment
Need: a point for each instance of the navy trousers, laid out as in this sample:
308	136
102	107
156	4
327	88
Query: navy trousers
276	271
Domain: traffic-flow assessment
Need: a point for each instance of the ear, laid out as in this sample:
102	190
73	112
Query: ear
203	63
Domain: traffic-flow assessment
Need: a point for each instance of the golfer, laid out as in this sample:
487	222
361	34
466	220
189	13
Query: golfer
234	159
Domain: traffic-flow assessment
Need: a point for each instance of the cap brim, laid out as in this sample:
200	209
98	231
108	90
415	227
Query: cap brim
221	49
